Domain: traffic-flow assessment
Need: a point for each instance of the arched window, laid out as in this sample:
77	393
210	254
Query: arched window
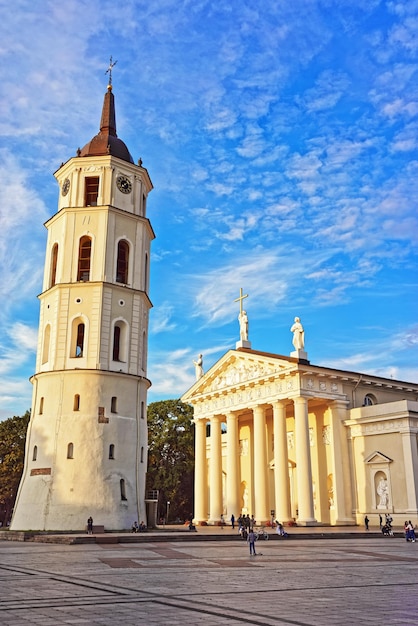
122	490
116	342
369	400
76	406
119	352
45	348
112	451
79	335
122	264
142	410
35	453
70	451
114	405
84	259
80	340
41	406
54	259
142	454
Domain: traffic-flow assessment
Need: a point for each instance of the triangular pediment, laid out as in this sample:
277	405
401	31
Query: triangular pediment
377	457
237	368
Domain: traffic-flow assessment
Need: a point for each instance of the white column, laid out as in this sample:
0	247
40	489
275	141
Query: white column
200	473
281	464
232	467
303	462
215	470
262	512
410	455
340	464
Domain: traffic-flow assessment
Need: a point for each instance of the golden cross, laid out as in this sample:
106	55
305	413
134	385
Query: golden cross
109	70
240	299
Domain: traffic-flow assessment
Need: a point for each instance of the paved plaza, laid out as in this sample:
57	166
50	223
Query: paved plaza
297	582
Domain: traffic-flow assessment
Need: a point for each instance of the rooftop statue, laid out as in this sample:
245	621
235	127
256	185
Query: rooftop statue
298	335
198	366
243	325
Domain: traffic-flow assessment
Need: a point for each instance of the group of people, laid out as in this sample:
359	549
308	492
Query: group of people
245	525
386	527
409	531
138	528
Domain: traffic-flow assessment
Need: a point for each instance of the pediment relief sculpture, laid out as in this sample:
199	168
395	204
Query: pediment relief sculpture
242	372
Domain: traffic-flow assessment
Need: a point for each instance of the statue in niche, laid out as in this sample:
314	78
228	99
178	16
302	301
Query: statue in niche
298	335
245	498
243	325
198	366
383	493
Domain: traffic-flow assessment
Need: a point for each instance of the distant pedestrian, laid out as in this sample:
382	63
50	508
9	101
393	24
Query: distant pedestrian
380	521
280	530
411	531
366	522
251	541
233	521
90	526
222	522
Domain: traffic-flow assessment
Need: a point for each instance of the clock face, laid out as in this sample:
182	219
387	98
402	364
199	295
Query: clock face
65	187
124	184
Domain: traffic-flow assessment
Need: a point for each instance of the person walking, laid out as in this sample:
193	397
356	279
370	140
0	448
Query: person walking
366	522
251	541
90	526
233	521
222	522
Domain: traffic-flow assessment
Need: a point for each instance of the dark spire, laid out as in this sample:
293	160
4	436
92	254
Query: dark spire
108	121
107	141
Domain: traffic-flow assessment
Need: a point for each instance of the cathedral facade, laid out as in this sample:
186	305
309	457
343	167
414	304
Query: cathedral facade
280	438
86	447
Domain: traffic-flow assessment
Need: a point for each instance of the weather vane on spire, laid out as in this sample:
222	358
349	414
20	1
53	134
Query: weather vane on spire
109	71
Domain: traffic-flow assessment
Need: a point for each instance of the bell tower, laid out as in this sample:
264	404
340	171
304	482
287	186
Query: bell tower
86	448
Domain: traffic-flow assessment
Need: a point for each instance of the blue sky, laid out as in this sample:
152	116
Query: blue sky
282	142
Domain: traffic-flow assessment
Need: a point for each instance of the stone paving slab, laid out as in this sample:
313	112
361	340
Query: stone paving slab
366	581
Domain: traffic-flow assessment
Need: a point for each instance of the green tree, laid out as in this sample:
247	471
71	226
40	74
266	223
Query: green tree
171	456
12	454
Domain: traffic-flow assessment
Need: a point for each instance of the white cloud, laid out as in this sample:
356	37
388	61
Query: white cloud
23	336
328	90
217	289
161	320
173	372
